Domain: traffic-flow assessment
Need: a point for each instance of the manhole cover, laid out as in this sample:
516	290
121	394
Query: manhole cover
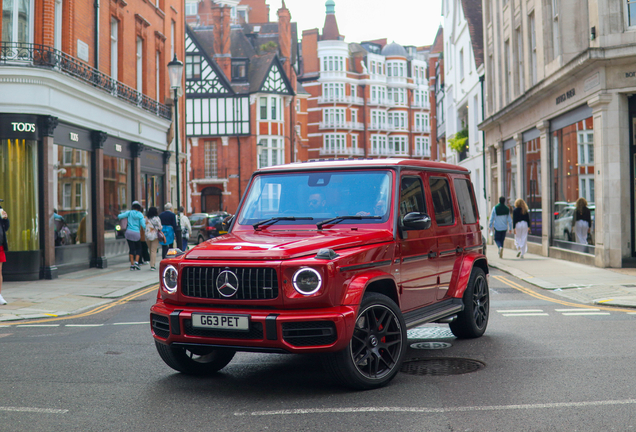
441	366
430	333
430	345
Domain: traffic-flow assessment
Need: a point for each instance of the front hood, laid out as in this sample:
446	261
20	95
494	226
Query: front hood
282	245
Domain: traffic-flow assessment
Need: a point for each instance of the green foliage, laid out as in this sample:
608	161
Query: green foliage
459	141
270	46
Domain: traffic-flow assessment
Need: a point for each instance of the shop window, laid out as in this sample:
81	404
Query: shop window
532	176
19	190
572	182
117	190
510	175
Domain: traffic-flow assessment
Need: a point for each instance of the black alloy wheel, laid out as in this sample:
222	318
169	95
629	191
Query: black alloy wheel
473	320
377	348
195	361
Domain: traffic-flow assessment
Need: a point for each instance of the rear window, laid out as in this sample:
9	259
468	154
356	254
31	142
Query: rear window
465	201
442	201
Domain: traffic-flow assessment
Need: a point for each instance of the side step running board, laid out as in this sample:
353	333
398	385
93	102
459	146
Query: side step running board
432	313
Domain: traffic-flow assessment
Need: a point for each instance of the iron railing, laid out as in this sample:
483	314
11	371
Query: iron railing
20	54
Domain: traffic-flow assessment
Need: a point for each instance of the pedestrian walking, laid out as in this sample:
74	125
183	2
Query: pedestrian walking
186	228
168	226
500	223
521	224
582	221
153	228
136	222
4	246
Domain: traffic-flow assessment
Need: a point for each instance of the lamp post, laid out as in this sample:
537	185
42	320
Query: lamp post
175	71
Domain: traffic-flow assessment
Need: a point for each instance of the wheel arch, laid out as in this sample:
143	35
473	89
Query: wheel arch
375	281
468	263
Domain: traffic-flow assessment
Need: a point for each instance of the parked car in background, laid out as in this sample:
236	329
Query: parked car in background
207	225
564	223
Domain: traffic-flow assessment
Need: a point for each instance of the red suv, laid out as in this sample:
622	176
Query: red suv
337	257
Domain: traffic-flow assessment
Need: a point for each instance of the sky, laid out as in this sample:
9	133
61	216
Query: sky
407	22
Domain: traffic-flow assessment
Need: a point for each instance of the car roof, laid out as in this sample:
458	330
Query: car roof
365	163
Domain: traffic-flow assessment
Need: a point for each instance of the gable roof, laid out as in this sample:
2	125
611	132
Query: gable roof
473	15
209	67
264	67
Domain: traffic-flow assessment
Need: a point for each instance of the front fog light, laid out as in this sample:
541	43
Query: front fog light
307	281
170	277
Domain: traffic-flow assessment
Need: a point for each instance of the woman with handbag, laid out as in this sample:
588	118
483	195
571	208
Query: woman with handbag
136	221
153	235
4	246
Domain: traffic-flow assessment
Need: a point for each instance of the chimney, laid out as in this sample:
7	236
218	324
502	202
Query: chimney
221	21
310	52
284	37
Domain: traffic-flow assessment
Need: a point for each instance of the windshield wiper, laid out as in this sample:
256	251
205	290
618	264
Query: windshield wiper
273	220
339	219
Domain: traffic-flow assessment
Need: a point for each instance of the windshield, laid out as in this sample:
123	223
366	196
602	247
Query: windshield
320	196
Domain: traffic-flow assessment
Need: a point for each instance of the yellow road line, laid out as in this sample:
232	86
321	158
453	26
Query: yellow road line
550	299
95	311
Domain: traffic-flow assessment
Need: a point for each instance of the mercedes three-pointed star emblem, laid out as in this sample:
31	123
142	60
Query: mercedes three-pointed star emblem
227	283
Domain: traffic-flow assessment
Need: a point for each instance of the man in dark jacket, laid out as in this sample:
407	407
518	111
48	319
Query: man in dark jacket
168	223
4	246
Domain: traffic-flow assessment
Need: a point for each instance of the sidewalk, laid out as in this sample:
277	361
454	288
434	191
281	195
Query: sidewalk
73	292
578	282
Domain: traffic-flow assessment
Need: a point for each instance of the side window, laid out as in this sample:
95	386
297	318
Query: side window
465	200
411	196
442	201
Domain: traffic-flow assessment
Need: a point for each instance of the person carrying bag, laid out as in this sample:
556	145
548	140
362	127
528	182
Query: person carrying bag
154	235
135	221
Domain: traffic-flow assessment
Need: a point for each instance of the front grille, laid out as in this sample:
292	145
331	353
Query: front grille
254	283
255	332
309	333
160	325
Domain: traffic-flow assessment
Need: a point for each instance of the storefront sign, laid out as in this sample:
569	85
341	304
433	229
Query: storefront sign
73	136
565	96
118	148
18	126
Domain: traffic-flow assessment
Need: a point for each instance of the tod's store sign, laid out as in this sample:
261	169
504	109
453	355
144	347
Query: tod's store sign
18	126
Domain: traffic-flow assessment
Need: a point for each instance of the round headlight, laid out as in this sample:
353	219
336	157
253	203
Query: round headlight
170	278
307	281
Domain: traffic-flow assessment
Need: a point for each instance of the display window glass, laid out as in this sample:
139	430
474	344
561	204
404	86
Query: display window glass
117	192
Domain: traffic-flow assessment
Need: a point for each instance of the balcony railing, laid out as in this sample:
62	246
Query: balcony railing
422	153
19	54
422	129
347	151
340	99
421	105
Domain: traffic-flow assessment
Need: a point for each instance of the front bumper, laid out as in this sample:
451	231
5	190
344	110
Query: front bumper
291	331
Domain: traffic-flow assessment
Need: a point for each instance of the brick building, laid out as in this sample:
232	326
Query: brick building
368	99
85	125
244	107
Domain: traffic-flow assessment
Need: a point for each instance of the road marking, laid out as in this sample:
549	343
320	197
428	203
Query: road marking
38	325
438	410
576	310
34	410
585	313
83	325
546	298
132	323
525	314
519	310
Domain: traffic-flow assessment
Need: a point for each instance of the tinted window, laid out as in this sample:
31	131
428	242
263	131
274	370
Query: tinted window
411	196
442	201
465	201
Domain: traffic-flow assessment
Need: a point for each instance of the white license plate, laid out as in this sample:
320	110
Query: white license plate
223	322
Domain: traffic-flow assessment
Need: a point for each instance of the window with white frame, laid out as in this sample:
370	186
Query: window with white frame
354	90
270	151
631	13
297	105
378	119
421	122
354	141
397	95
334	117
67	189
398	121
422	147
372	68
519	75
157	75
17	21
270	108
461	64
379	145
78	195
556	42
586	187
333	63
57	37
533	48
210	159
378	94
114	48
335	143
354	116
172	33
68	156
191	8
398	145
140	62
585	140
333	91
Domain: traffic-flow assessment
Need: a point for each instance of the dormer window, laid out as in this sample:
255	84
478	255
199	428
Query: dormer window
239	70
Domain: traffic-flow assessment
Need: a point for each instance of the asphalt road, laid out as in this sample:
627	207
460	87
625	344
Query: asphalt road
546	364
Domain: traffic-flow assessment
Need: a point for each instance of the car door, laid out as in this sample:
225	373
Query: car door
418	271
447	229
195	224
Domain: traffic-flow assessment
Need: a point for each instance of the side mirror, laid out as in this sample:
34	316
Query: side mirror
416	221
227	223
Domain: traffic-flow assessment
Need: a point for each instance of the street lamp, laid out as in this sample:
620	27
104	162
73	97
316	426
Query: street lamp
175	71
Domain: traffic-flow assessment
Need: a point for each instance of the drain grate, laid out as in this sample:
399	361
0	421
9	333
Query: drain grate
441	366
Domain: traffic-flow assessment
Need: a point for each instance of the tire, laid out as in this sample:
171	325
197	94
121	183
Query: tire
473	320
200	239
205	361
375	353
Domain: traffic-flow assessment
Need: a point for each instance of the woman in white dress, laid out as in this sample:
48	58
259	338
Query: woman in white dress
521	224
582	221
